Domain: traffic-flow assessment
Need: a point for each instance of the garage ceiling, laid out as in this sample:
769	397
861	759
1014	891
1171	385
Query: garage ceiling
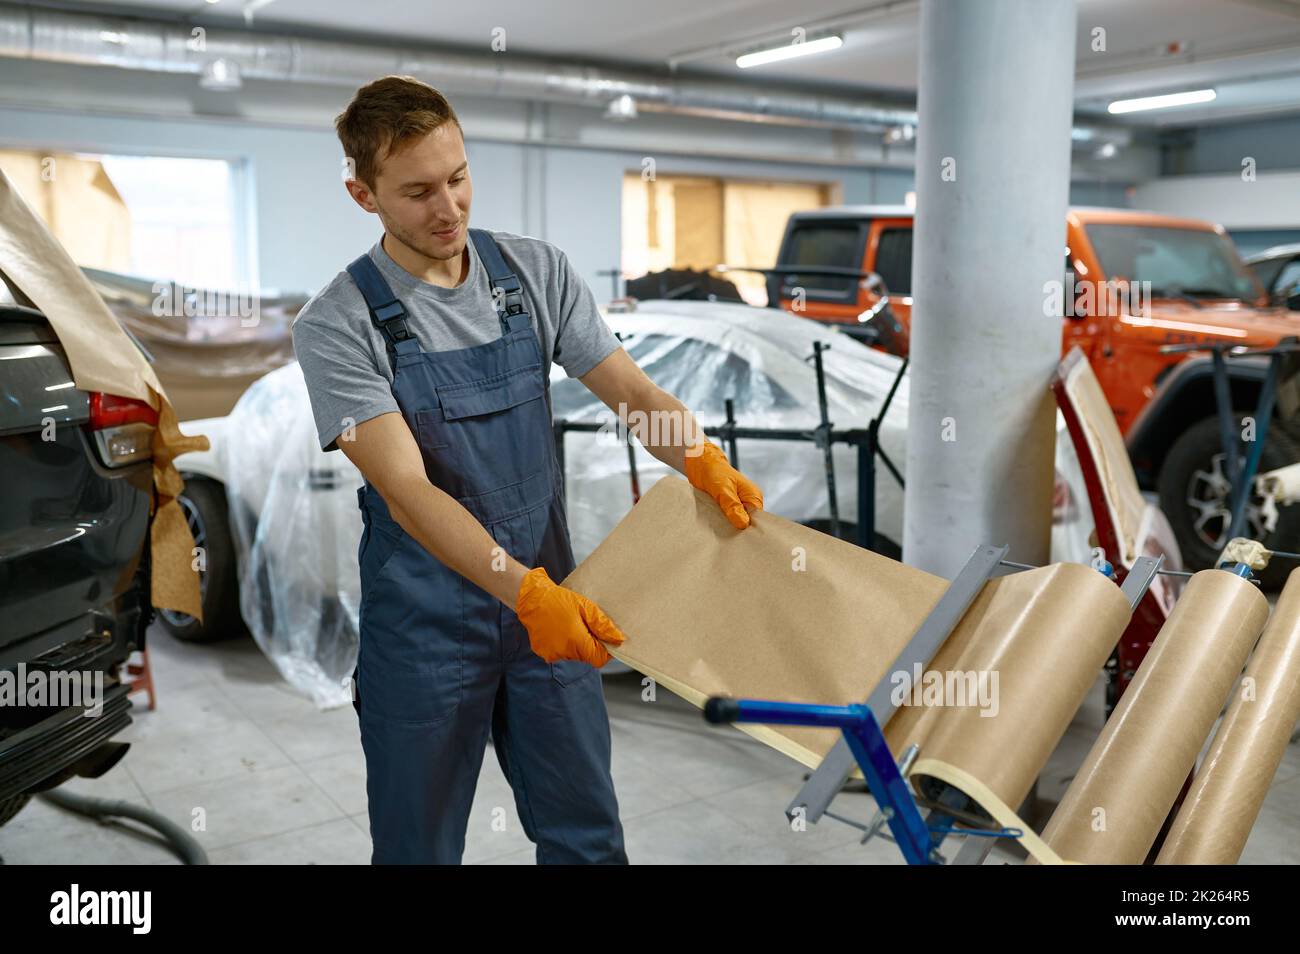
1249	50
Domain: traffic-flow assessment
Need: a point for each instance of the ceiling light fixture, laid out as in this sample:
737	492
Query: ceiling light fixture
621	108
788	51
221	75
252	6
1161	102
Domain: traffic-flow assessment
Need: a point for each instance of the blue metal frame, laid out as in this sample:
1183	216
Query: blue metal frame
867	742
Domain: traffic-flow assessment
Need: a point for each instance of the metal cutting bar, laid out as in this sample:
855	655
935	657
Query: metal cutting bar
826	781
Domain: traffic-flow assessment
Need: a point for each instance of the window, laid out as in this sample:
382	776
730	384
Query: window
154	217
1287	282
185	219
1175	261
894	260
674	222
834	245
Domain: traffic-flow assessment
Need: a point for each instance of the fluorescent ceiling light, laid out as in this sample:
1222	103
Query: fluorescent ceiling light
787	51
621	108
220	74
1161	102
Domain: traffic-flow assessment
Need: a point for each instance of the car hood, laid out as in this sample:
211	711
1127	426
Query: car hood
1217	319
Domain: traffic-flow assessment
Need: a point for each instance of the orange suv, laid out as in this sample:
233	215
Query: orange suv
1139	282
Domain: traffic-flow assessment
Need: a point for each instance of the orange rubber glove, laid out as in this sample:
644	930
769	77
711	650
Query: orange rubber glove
563	624
710	472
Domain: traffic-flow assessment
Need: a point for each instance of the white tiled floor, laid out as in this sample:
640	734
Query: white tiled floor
275	781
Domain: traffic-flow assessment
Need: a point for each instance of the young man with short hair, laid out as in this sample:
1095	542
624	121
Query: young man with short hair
427	361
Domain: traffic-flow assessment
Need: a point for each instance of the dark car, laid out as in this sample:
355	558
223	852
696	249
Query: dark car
76	469
1278	270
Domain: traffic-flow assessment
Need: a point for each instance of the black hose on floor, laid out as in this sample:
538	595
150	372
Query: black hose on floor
182	842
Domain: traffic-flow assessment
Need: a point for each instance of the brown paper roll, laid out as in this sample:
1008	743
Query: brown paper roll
1212	826
1046	661
1114	809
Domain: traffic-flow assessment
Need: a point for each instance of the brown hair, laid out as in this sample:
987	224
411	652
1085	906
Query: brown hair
385	114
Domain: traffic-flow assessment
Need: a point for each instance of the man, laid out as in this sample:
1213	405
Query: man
427	363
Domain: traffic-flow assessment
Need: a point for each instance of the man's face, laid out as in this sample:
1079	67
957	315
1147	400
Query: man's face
422	193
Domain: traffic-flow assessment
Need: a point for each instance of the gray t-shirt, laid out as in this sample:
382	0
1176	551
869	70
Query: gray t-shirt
343	355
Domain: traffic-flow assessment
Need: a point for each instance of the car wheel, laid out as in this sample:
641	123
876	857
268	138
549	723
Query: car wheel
204	504
1193	489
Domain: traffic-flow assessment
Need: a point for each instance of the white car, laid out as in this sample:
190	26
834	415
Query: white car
294	525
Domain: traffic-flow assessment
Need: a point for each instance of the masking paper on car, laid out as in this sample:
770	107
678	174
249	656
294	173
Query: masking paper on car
103	358
1114	809
1219	811
780	611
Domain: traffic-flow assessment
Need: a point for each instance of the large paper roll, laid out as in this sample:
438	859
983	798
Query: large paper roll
1215	820
1114	809
1044	650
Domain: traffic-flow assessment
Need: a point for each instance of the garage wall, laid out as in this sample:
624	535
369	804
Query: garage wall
544	170
1259	213
570	196
279	182
1203	178
1274	144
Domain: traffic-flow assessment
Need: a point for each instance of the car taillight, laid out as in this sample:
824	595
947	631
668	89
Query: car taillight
1062	500
122	427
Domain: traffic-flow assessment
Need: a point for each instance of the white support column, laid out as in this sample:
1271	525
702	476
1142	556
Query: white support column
992	184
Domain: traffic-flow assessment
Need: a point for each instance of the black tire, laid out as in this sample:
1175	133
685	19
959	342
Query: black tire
1191	469
11	806
204	503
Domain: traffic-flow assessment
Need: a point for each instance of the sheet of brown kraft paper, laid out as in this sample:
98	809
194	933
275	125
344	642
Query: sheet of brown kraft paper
779	611
1215	819
1113	811
103	358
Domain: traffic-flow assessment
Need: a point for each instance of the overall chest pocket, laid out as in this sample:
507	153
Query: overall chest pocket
494	421
491	395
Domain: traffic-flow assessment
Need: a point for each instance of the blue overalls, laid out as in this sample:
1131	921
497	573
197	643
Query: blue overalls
441	660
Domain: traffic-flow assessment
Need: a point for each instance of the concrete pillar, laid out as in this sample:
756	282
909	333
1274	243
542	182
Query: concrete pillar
992	187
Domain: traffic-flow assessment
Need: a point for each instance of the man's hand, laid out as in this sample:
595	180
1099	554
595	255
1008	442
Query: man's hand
624	387
563	624
735	493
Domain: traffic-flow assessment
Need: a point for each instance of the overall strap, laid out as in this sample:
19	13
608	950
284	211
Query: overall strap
509	299
386	311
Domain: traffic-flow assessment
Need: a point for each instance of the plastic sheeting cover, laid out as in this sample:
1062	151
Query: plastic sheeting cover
706	352
296	526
